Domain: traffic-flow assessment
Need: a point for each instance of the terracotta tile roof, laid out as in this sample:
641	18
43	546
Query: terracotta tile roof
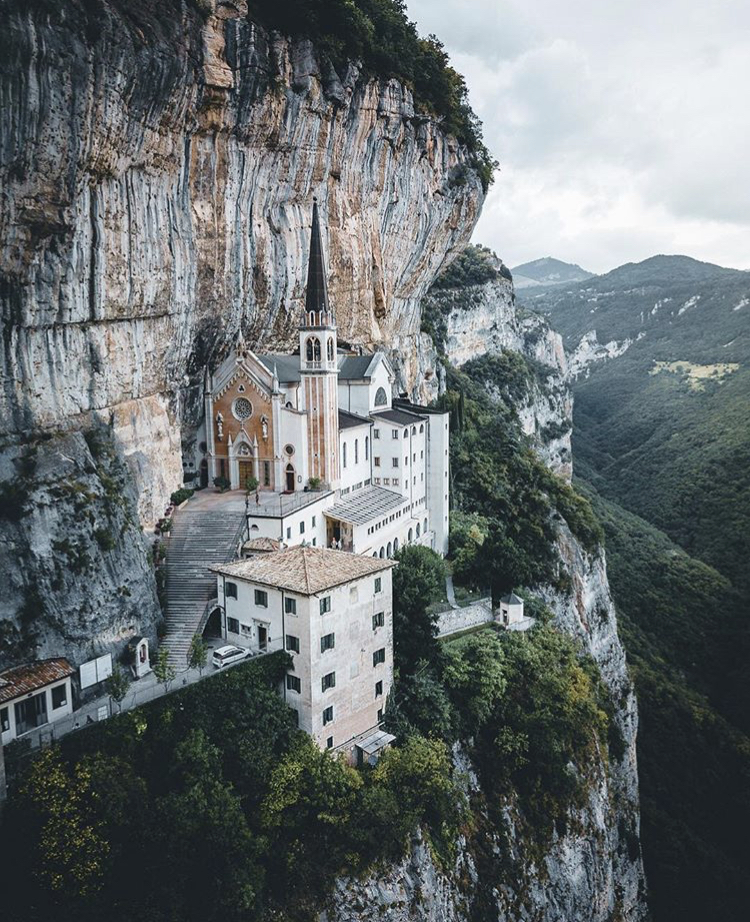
306	570
262	544
20	680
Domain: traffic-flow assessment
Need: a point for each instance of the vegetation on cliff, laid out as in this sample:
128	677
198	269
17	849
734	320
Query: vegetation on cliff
685	631
379	35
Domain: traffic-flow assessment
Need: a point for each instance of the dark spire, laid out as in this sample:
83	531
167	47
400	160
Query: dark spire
317	290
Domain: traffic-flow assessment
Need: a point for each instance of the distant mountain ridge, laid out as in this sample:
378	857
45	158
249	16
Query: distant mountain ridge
662	352
548	271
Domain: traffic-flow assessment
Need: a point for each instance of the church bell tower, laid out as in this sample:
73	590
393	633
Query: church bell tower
319	366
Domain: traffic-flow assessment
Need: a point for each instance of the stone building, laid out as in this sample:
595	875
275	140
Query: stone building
337	461
332	612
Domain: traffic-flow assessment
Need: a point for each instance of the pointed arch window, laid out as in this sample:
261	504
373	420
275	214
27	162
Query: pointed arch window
330	349
313	349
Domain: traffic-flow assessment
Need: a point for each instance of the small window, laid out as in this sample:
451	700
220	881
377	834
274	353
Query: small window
233	625
302	528
329	741
289	532
4	720
328	716
292	643
378	688
380	714
356	451
421	427
327	642
376	433
406	433
314	520
325	604
290	606
231	590
266	473
378	584
376	461
315	542
343	454
59	696
378	620
394	433
261	598
367	448
293	683
406	461
413	430
394	462
328	681
378	657
417	529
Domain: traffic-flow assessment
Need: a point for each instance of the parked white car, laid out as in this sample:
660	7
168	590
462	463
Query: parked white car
226	656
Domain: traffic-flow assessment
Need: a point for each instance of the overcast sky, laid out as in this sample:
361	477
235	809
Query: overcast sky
622	128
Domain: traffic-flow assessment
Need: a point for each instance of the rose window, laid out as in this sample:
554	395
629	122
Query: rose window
242	408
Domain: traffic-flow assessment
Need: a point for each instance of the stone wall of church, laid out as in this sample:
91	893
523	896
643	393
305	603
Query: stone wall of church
258	426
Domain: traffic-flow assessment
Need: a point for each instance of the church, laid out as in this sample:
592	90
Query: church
337	461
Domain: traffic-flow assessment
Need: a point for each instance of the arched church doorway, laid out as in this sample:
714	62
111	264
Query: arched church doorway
290	478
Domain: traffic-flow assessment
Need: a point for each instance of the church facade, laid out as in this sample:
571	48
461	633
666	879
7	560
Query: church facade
337	461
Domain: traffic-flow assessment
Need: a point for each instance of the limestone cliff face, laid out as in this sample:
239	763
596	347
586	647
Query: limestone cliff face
592	872
482	319
158	161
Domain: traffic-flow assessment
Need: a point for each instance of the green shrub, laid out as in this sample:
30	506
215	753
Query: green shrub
179	496
222	483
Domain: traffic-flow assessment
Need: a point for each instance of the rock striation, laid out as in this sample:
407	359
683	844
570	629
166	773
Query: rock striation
477	320
158	161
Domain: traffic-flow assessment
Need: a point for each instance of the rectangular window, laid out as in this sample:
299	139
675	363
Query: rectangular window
406	461
378	584
266	473
327	642
394	462
290	606
378	688
302	528
394	433
328	681
328	717
376	461
314	520
261	598
315	542
378	657
376	433
293	683
4	720
378	620
414	456
233	625
386	481
380	714
329	741
289	532
395	483
292	643
231	590
325	604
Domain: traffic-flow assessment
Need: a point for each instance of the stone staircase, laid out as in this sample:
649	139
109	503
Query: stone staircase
200	537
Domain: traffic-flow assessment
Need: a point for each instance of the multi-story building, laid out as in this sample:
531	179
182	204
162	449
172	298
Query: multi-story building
338	462
332	612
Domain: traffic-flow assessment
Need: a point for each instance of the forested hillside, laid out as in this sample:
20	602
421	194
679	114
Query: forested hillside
683	625
664	427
